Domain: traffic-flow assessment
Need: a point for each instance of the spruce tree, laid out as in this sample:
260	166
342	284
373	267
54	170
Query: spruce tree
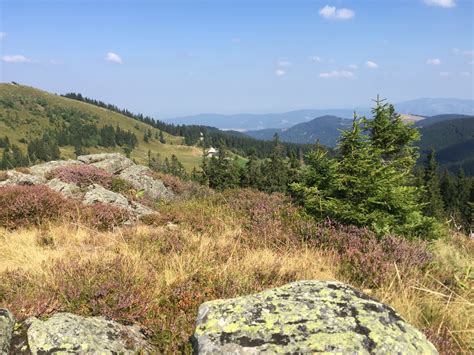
432	195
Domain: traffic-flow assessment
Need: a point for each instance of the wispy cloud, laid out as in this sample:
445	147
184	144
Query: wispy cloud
284	63
444	73
353	66
280	72
371	65
338	74
441	3
433	61
332	13
17	58
113	57
2	35
316	59
236	40
466	73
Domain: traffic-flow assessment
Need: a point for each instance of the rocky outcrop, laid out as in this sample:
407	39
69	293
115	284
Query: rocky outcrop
17	178
117	165
67	189
6	330
100	194
41	170
113	163
138	176
305	317
67	333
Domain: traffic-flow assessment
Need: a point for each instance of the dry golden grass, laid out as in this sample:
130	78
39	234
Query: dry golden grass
158	275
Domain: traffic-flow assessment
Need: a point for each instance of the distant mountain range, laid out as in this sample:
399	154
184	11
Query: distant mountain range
325	129
252	122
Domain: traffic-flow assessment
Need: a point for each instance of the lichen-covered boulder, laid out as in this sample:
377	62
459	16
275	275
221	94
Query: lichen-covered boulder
18	178
71	334
6	329
100	194
137	176
113	163
305	317
65	188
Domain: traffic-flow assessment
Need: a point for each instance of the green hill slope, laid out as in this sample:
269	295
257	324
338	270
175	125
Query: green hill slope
27	113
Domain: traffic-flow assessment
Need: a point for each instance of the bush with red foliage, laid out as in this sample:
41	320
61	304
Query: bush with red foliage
27	205
82	175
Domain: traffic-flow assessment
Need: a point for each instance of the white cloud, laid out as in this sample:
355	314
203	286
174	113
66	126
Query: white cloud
17	58
441	3
2	35
284	63
280	72
316	59
466	73
113	57
433	61
444	73
338	74
371	65
353	66
332	13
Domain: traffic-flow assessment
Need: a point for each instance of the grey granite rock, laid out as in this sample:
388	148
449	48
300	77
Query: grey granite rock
305	317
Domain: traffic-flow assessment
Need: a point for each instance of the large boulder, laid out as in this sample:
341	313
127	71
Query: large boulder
17	178
113	163
100	194
67	333
6	330
305	317
41	170
138	176
65	188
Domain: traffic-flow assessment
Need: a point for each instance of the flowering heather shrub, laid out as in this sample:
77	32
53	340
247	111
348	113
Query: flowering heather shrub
367	259
82	175
103	217
27	205
33	205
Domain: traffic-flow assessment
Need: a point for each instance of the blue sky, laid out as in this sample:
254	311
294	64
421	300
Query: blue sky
178	57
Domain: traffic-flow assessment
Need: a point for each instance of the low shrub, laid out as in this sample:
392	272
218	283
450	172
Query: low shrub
120	185
370	260
31	205
103	217
22	206
82	175
3	176
184	189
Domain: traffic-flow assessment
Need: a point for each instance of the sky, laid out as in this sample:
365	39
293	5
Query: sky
171	58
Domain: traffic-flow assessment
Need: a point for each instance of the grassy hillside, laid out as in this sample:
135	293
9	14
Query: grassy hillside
25	111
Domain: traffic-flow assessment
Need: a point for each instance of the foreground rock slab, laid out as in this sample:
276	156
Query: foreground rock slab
305	317
68	333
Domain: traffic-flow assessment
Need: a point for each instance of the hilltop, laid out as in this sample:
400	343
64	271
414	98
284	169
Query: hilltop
27	113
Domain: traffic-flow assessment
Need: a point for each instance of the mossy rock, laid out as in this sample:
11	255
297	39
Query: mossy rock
305	317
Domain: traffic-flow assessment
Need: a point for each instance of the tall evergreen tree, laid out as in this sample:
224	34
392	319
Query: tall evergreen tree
432	195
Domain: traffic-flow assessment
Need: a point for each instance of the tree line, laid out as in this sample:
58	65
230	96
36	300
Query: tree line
203	135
